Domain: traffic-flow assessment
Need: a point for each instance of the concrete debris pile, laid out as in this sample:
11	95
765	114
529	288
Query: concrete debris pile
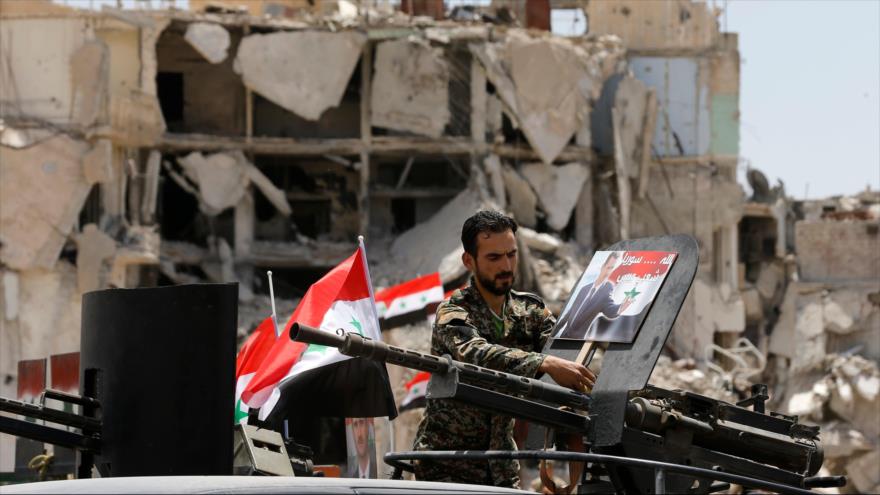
843	396
221	181
555	266
684	374
549	266
824	346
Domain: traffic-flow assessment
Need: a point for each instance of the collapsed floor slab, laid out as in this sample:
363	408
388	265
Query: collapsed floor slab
321	65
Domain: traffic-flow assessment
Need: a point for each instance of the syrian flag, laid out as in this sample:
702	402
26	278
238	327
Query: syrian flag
249	359
410	301
416	390
297	378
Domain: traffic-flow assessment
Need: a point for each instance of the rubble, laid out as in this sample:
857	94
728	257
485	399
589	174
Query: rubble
545	243
683	374
843	396
863	472
210	40
557	189
98	162
222	180
34	225
521	199
549	113
410	88
422	249
321	65
93	247
495	175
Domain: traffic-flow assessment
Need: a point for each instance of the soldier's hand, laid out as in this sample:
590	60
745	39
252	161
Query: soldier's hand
568	373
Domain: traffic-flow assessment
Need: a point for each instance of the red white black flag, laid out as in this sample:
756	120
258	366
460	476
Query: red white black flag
410	301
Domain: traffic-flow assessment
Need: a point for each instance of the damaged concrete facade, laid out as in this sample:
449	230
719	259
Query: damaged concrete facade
143	148
209	164
681	89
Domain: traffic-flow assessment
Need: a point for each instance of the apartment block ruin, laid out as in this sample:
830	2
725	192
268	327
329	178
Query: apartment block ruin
157	147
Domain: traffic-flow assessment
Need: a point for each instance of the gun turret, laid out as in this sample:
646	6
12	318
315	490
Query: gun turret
772	439
355	345
704	431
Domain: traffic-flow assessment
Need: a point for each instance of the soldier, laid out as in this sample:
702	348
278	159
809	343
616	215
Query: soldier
490	325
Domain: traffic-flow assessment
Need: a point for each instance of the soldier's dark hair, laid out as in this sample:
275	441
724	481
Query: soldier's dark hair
484	221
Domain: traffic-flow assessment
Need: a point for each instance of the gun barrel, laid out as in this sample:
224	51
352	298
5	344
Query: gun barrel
730	437
356	345
311	335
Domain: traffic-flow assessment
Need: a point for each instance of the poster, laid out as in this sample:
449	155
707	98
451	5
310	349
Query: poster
360	437
613	295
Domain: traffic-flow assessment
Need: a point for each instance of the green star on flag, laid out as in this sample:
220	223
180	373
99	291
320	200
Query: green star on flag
240	412
357	325
631	294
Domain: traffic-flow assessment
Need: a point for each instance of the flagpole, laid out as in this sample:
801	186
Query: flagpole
272	299
363	250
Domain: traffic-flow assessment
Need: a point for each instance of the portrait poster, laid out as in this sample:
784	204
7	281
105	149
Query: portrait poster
360	437
612	297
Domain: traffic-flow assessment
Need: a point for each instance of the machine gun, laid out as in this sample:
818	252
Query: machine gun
636	438
760	450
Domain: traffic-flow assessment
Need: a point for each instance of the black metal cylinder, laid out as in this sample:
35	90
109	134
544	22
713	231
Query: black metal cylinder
358	346
161	361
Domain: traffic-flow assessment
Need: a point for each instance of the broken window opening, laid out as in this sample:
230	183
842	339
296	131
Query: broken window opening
442	174
403	210
311	217
91	210
322	194
757	244
512	135
339	122
169	86
195	95
459	60
180	219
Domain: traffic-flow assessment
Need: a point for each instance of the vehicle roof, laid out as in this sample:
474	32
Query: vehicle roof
248	484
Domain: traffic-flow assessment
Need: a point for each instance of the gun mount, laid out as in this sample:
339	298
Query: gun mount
636	438
730	442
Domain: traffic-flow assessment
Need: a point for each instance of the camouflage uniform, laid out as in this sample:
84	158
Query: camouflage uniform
465	329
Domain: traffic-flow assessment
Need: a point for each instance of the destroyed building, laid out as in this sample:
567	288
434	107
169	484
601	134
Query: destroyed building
156	147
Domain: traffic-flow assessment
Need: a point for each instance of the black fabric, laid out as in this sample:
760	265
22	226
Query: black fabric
315	403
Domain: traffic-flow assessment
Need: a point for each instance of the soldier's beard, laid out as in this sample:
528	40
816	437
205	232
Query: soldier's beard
499	285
